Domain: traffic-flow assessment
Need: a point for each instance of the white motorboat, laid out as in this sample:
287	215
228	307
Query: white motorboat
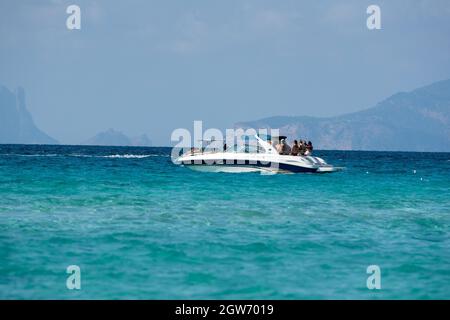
260	156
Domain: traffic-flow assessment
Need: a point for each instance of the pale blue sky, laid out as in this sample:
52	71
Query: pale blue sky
153	66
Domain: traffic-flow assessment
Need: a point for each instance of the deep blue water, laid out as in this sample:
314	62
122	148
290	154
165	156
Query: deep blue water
140	227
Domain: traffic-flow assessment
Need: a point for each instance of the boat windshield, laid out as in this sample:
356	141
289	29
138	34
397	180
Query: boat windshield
246	148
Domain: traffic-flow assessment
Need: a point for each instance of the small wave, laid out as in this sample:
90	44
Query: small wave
80	155
112	156
118	156
129	156
29	155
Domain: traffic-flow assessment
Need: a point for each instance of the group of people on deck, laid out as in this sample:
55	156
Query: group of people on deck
301	148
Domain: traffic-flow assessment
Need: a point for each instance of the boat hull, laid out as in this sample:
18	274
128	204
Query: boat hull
266	164
246	161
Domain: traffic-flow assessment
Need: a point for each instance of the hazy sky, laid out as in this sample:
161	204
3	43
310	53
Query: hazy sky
153	66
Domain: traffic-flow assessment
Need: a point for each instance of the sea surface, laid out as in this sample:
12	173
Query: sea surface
140	227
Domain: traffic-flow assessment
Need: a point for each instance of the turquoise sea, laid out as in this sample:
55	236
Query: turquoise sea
140	227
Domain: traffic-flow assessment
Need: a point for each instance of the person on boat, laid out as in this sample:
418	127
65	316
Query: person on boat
309	149
302	148
286	149
279	147
295	149
283	148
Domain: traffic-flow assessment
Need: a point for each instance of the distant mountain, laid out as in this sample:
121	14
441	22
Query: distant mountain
112	137
16	123
407	121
